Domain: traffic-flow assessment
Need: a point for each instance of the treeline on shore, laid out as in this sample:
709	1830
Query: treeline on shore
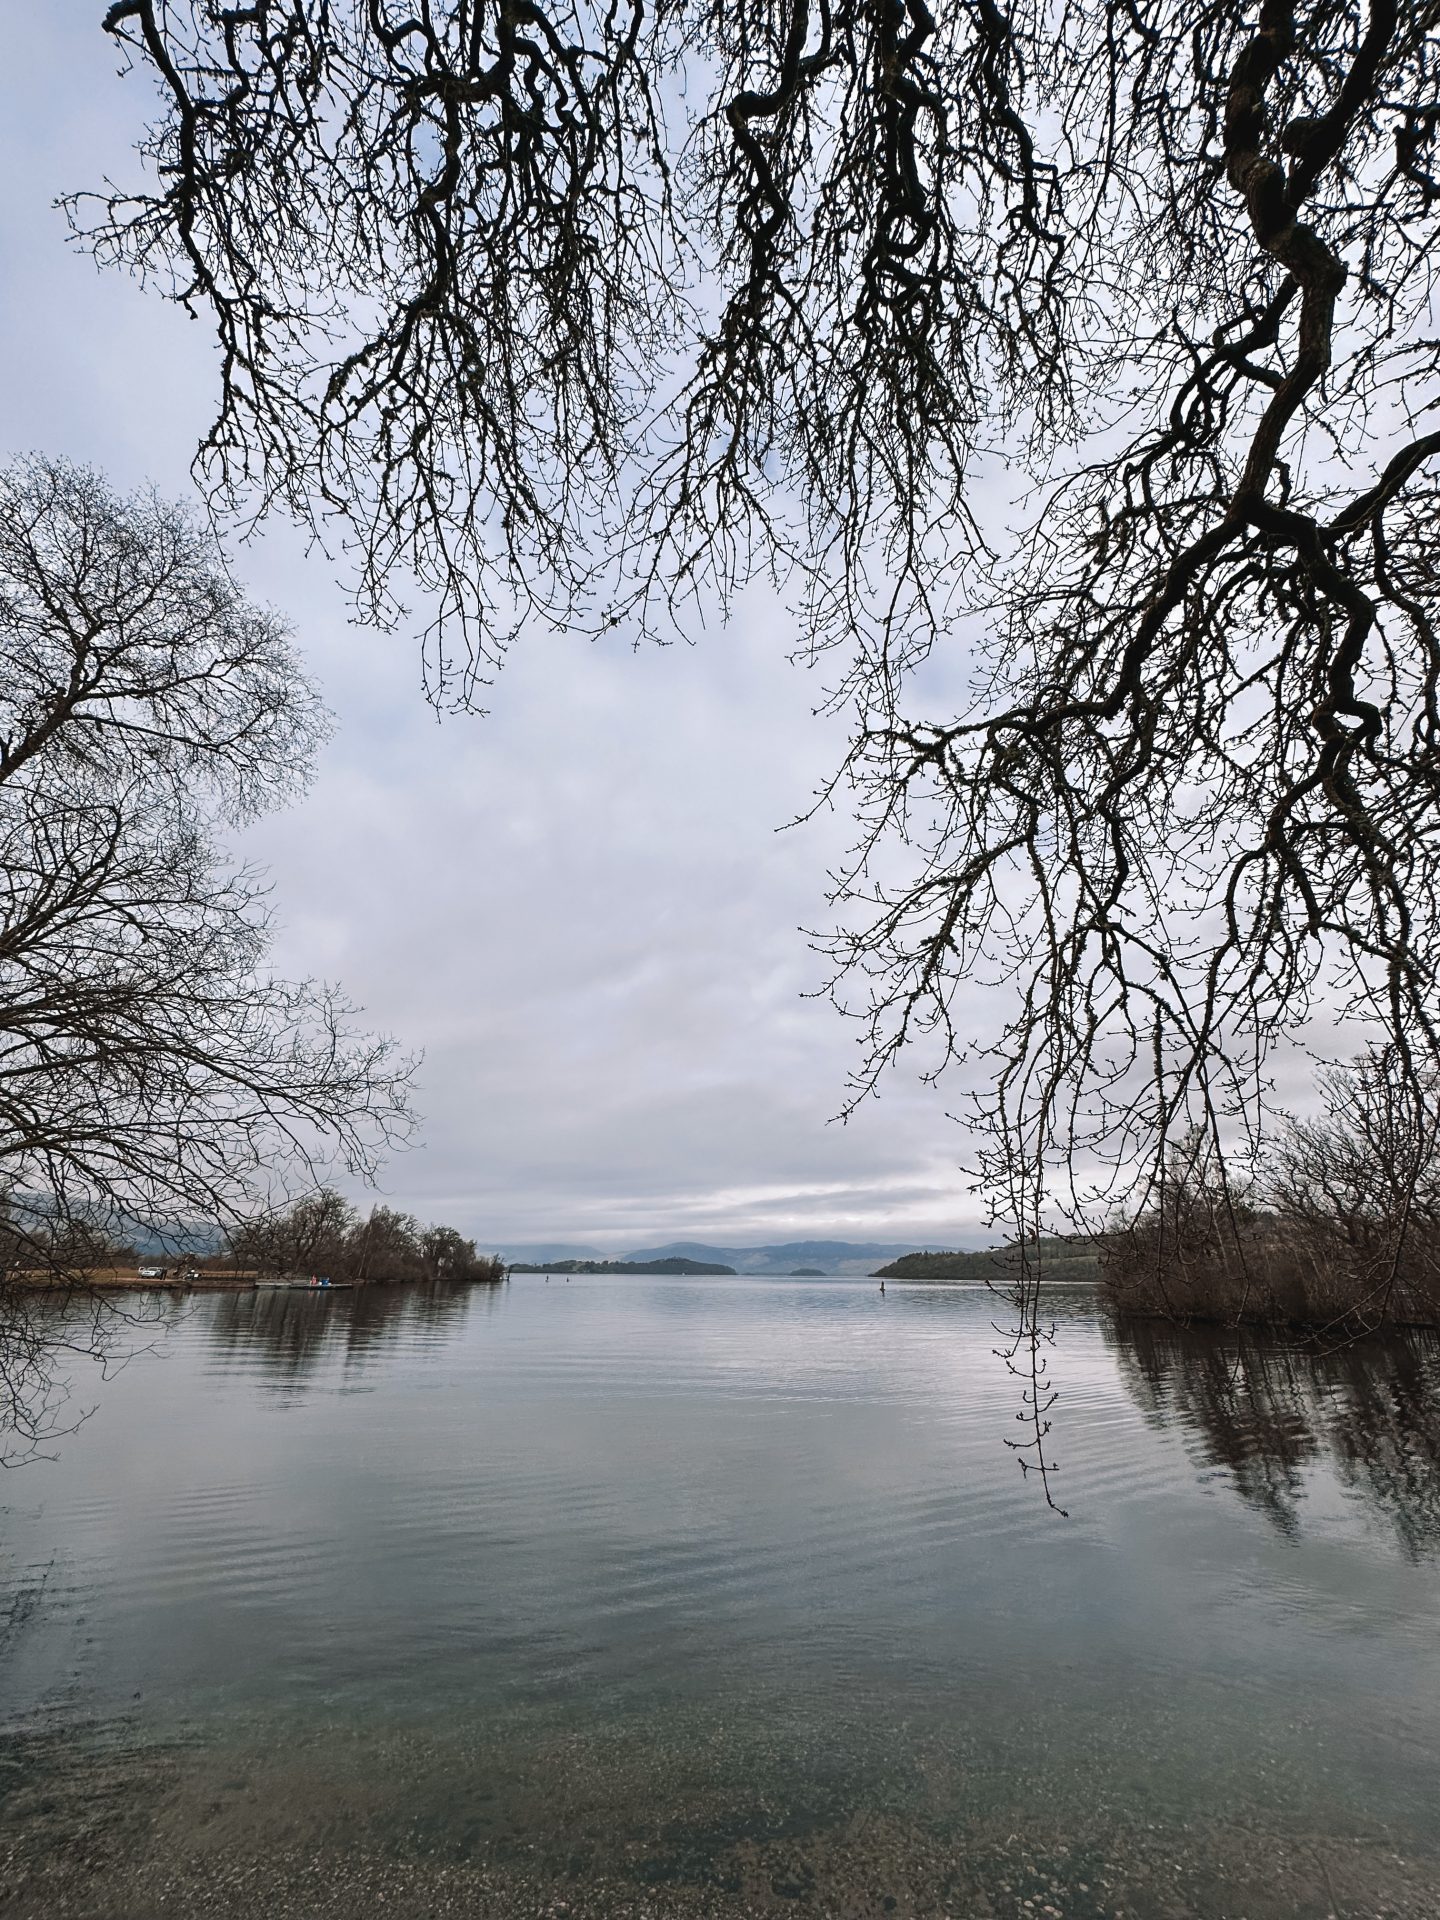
1335	1225
1062	1257
323	1235
320	1234
1206	1252
1203	1255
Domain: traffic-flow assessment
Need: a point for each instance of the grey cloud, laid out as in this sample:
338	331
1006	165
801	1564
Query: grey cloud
578	907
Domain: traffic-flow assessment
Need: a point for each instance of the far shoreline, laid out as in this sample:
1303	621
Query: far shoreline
129	1280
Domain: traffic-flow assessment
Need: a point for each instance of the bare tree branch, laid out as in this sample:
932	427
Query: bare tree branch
154	1075
580	311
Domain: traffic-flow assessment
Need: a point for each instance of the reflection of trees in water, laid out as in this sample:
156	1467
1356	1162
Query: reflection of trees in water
45	1333
286	1334
1266	1413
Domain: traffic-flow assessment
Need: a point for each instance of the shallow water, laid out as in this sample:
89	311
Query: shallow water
652	1596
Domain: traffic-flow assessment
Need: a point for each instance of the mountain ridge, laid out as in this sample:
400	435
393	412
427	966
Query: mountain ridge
837	1257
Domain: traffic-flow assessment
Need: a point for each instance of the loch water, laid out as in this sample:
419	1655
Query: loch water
713	1597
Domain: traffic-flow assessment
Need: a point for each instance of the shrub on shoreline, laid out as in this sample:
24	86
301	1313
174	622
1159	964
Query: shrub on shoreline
1339	1228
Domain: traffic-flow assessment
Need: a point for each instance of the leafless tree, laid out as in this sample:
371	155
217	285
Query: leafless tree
1357	1187
448	1255
1335	1230
717	289
308	1236
321	1233
154	1075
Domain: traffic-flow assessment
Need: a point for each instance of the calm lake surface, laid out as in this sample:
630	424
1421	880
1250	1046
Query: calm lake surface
694	1597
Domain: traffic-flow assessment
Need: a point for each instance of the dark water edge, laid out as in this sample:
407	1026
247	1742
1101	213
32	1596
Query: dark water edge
707	1602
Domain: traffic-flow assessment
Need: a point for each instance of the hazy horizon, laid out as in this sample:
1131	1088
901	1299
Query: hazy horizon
558	1246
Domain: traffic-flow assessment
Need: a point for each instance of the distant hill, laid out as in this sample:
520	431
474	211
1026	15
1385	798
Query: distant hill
1062	1259
537	1252
673	1266
837	1257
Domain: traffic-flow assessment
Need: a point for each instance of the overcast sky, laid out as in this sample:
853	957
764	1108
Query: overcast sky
579	906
